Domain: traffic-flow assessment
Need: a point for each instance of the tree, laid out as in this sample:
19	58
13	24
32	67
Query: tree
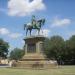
70	50
3	48
16	54
62	51
55	48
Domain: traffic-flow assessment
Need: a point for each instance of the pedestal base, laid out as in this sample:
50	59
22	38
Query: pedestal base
35	65
35	61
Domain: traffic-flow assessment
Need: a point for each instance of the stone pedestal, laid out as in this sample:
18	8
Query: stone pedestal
34	47
34	56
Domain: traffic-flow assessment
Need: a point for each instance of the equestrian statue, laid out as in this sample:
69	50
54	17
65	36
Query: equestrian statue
35	24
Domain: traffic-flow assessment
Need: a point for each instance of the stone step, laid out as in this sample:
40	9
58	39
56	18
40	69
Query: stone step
34	56
35	64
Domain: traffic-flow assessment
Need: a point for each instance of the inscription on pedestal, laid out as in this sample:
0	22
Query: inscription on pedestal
31	48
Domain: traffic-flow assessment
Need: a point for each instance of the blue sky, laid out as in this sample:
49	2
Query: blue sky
59	15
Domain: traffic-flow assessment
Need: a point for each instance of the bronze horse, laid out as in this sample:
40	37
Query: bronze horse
30	26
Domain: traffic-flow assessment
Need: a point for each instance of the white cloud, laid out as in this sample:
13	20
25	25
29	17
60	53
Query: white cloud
24	7
23	42
57	22
44	32
4	31
15	35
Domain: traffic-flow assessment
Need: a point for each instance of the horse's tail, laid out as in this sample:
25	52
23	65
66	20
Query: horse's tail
24	26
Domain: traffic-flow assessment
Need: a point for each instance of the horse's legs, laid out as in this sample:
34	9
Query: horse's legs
30	31
26	32
38	31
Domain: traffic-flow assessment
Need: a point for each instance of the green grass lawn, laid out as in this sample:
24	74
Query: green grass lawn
63	70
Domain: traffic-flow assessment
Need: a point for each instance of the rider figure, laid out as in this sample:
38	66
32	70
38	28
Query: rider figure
33	21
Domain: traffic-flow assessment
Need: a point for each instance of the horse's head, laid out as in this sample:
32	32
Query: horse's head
41	22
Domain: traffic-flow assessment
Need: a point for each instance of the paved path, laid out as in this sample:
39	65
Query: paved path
4	65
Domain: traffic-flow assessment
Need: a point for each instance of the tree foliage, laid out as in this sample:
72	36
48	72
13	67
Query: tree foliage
55	48
16	54
3	48
62	51
70	50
